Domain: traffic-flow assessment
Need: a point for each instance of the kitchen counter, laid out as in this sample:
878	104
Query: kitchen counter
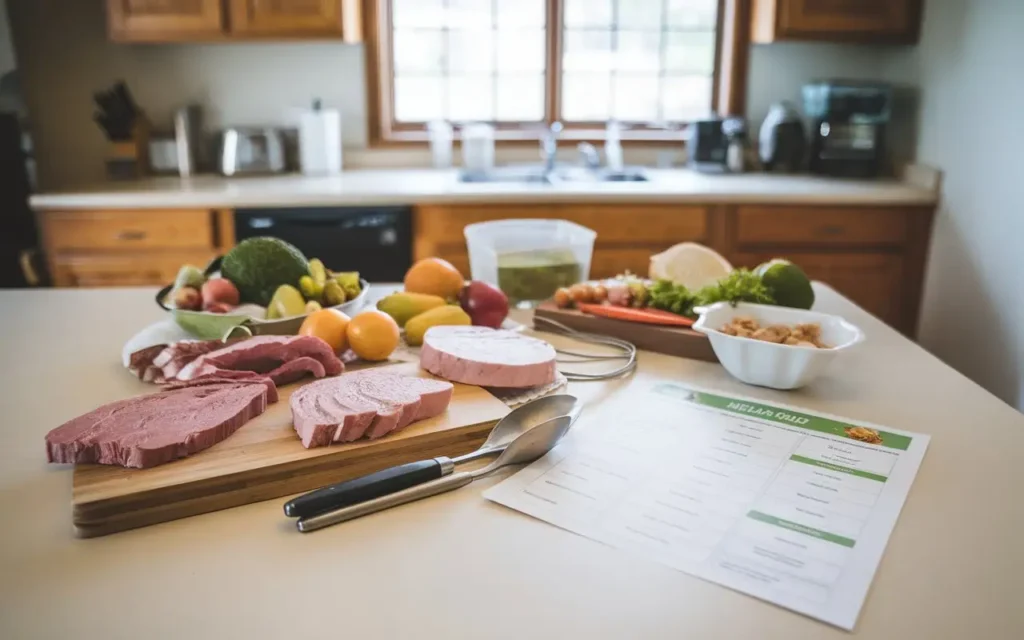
379	187
457	566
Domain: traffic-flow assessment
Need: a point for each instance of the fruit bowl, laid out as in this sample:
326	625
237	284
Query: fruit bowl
248	318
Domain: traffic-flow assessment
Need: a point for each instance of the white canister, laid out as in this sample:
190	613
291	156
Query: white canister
478	148
320	141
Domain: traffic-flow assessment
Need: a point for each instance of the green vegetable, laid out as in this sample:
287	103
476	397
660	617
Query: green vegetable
258	266
787	283
669	296
739	286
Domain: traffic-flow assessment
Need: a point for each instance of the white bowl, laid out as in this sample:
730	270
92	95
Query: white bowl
767	364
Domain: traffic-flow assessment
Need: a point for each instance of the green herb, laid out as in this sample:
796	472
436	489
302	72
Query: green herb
669	296
739	286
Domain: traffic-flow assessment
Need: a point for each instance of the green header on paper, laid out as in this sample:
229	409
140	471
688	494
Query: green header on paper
839	468
864	435
799	528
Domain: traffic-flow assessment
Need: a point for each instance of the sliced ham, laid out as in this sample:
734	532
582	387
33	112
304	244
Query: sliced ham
488	357
153	429
284	359
366	404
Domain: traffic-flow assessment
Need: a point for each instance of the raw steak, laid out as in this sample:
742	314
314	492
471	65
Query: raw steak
160	427
162	362
284	359
487	357
364	404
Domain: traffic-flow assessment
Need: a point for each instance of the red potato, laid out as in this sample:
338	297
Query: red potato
220	290
188	298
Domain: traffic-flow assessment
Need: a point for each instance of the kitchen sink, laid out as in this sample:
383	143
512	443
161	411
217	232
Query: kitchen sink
535	174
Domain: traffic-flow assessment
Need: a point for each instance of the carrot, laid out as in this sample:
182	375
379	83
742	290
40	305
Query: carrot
629	314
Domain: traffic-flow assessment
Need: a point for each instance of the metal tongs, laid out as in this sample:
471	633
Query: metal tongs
623	351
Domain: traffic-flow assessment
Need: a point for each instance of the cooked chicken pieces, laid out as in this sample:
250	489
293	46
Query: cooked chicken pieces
801	335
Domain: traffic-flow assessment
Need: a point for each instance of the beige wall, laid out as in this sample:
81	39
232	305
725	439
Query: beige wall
65	56
968	66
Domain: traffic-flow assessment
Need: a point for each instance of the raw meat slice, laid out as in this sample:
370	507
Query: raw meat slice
153	429
176	356
487	357
283	358
364	404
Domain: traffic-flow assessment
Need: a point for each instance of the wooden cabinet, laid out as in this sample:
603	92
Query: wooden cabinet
146	20
225	20
328	18
896	21
130	248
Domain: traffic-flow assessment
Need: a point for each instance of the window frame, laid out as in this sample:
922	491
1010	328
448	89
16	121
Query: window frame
728	93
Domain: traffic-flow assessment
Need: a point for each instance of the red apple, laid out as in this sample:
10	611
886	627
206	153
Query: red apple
188	298
220	290
486	305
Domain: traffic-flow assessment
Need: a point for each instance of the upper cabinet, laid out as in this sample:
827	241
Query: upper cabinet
226	20
873	21
165	20
296	18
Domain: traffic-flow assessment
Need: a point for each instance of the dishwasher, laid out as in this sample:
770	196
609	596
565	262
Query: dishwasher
375	241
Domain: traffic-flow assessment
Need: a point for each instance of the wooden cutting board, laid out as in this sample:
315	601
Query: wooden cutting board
673	341
264	459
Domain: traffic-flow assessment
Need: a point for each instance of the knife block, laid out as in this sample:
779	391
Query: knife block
129	159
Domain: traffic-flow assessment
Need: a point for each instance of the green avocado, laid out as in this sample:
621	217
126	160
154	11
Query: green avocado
258	266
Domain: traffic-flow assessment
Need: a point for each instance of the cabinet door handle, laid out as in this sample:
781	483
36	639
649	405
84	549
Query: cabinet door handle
831	230
131	235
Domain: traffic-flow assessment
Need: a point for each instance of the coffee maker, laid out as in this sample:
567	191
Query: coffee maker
848	123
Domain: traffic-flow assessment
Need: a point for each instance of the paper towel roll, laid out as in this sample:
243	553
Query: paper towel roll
320	142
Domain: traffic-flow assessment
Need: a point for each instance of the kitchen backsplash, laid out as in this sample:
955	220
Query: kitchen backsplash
64	56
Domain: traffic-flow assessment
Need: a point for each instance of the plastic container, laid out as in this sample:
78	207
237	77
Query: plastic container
529	259
441	136
767	364
478	148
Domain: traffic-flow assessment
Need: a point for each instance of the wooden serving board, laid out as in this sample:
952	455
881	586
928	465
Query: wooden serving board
673	341
264	459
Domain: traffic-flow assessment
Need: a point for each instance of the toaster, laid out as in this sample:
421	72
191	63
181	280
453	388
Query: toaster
249	151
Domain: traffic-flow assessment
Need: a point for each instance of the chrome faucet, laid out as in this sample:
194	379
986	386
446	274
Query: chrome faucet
549	147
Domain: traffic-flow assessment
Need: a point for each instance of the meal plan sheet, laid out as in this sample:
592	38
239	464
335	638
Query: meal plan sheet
786	505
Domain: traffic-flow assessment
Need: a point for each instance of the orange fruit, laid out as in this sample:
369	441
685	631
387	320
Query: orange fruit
373	335
434	276
330	325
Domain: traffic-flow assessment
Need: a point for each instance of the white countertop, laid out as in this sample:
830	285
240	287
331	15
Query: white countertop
420	186
456	566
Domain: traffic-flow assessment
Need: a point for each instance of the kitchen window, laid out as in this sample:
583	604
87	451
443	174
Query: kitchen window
653	65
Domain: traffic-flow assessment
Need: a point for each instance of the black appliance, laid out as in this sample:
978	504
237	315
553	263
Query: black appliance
708	146
18	257
375	241
848	127
782	144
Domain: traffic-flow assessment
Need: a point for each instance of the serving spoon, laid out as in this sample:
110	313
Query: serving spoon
528	447
385	481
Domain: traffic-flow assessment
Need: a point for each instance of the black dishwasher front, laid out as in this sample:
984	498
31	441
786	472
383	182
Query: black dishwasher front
375	241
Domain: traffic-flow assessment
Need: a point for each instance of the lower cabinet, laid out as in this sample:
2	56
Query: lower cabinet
123	270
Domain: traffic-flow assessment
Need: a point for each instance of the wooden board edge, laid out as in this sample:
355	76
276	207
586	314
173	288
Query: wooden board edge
90	522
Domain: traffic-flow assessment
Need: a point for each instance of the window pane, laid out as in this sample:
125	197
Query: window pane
470	50
586	96
419	50
588	13
692	14
521	50
520	98
471	97
470	13
690	52
417	13
587	51
521	13
638	51
685	97
635	98
640	14
419	99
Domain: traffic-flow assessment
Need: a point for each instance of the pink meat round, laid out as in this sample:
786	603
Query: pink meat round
366	404
487	357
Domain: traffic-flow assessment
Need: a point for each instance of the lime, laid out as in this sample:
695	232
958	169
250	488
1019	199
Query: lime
788	283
